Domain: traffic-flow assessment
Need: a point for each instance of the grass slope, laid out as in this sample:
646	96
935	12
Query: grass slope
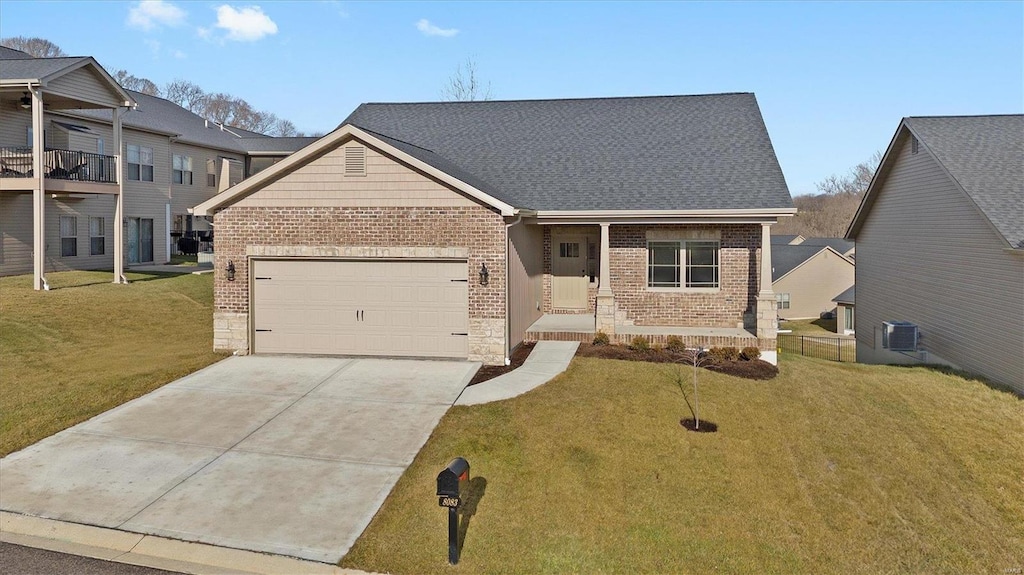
829	468
89	345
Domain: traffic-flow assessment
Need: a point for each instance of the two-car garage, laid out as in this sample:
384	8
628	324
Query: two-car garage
416	308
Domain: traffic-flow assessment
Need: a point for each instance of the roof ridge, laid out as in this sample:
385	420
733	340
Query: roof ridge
967	116
580	99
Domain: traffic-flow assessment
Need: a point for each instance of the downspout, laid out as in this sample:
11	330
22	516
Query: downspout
508	267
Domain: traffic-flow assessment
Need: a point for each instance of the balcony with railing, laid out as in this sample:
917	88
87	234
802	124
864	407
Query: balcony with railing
67	165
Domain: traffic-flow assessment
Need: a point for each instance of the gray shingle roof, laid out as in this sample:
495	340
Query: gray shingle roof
783	239
847	296
786	258
840	245
654	153
268	144
34	68
985	154
12	54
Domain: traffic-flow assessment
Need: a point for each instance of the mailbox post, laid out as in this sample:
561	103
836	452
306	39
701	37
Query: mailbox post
449	494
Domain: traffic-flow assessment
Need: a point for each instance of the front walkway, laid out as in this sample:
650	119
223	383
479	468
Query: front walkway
547	360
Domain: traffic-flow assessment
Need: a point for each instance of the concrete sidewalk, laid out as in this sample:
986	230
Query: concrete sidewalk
547	360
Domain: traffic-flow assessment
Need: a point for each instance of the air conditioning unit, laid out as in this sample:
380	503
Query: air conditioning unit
900	335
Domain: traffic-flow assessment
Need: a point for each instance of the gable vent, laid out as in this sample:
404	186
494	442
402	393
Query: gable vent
355	161
913	144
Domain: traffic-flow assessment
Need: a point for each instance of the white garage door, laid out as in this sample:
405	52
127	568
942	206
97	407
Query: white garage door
395	308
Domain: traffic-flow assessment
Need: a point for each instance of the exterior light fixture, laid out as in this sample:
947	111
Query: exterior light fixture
484	274
231	271
26	101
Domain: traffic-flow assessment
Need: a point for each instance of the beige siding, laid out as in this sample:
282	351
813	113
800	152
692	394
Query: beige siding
926	255
150	199
525	279
86	84
841	326
185	196
387	183
15	234
14	124
813	284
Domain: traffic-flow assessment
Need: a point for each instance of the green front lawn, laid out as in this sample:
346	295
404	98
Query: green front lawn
822	327
89	345
829	468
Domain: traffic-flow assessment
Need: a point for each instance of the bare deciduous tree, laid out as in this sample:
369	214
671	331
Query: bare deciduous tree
829	213
132	82
36	47
186	94
465	86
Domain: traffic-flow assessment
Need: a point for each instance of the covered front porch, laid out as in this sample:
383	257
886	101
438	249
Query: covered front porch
583	327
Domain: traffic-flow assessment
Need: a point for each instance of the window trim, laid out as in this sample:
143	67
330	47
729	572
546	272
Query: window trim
780	300
101	236
138	149
682	264
74	251
178	172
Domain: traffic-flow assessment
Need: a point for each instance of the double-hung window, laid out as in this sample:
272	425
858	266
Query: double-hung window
690	264
181	170
68	236
782	300
97	237
140	163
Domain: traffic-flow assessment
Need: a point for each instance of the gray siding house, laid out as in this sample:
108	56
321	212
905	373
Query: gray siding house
940	244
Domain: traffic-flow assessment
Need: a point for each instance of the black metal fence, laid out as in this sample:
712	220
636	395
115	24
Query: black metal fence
59	165
831	348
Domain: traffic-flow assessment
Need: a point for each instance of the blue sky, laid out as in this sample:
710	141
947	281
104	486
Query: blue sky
833	79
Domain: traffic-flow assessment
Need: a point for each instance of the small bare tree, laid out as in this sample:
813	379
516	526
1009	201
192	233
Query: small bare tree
132	82
465	86
186	94
694	358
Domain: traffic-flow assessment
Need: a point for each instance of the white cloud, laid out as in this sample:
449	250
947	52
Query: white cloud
180	55
246	24
149	14
429	29
153	45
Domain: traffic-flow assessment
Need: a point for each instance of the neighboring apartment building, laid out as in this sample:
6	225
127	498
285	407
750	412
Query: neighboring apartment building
171	160
940	242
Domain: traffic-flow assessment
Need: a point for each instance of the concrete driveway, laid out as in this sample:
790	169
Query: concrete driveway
286	455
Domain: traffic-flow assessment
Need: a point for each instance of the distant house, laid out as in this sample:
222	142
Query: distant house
782	240
940	241
805	278
845	318
841	245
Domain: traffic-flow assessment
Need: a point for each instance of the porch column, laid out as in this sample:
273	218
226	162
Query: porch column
767	317
38	193
119	206
604	319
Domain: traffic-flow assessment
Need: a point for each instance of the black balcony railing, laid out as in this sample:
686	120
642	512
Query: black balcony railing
59	165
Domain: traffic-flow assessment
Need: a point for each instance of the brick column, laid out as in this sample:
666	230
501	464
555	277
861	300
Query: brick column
605	319
767	317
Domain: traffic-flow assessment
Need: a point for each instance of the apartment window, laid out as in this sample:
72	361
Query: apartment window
140	163
211	174
181	170
68	236
97	237
683	264
782	300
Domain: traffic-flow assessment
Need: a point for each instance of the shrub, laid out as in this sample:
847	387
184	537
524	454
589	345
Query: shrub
601	338
720	354
675	344
750	353
640	343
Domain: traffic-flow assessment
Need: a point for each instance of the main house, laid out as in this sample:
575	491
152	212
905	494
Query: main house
461	229
940	246
112	179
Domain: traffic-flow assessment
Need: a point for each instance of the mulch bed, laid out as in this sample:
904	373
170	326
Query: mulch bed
756	369
492	371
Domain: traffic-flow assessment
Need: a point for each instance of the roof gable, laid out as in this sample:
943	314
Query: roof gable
982	155
708	152
787	258
44	70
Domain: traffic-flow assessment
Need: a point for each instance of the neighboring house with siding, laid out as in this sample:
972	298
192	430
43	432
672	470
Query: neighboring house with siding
171	159
940	242
806	278
461	229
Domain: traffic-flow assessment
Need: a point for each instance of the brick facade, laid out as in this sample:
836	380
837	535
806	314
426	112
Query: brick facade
475	232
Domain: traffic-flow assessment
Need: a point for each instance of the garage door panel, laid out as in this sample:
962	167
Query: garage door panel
361	307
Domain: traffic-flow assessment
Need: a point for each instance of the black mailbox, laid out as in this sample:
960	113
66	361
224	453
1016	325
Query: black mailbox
450	481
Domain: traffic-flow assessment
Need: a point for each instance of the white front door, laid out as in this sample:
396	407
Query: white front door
569	276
